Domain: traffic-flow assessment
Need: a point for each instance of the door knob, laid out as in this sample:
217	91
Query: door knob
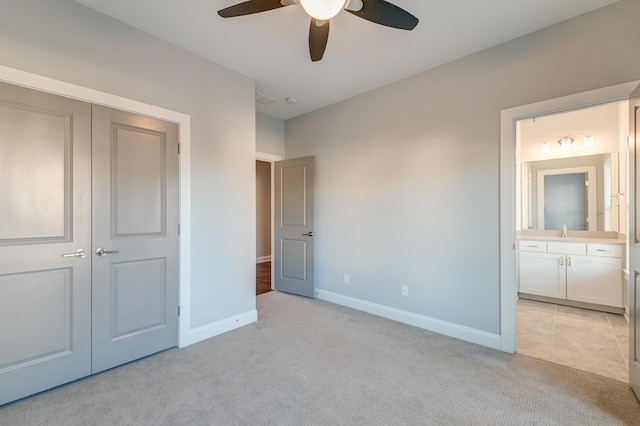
309	234
104	252
79	253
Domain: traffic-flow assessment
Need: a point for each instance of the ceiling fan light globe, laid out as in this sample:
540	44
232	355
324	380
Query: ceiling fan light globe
323	10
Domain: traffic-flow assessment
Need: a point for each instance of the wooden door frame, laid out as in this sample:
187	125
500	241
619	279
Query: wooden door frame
507	212
57	87
270	158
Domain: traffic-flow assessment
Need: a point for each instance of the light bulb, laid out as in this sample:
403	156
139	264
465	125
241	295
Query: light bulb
545	148
588	142
323	10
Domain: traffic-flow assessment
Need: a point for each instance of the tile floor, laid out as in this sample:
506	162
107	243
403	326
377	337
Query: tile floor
587	340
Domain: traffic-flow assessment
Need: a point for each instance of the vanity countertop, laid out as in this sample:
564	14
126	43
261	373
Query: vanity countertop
573	239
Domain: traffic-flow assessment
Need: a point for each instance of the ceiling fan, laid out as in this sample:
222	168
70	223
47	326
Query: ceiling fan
321	11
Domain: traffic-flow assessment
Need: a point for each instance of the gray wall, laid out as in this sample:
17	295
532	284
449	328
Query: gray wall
269	135
407	175
66	41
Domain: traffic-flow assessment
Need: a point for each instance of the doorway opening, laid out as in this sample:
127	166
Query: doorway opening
571	178
264	221
515	200
263	227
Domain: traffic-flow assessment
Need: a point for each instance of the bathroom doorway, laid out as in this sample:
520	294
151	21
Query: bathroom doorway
570	238
264	221
263	227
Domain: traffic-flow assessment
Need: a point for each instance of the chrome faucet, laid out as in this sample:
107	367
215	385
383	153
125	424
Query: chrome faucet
565	227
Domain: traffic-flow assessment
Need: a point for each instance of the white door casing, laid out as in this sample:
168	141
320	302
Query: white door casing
634	242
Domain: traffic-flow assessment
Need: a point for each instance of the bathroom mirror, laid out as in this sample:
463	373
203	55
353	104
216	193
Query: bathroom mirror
571	169
575	191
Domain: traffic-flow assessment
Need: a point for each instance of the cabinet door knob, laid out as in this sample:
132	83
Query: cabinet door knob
568	261
561	260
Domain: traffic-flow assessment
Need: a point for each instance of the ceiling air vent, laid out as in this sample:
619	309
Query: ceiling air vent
263	99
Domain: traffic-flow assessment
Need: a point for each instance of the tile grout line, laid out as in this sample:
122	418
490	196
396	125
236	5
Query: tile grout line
615	336
553	334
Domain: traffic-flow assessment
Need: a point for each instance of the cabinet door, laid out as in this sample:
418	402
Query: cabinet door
543	274
595	279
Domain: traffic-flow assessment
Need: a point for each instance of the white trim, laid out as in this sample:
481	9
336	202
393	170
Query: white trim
263	156
432	324
208	331
271	158
507	219
263	259
46	84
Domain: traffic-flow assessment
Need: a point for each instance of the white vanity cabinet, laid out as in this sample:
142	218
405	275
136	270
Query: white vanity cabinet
574	271
542	273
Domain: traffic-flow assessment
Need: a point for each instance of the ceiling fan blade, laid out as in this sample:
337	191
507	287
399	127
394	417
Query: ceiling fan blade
249	7
387	14
318	37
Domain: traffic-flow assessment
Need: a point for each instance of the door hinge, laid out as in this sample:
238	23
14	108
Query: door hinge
178	310
178	148
178	229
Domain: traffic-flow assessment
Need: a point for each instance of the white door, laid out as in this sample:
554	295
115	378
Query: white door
135	237
634	242
293	223
45	214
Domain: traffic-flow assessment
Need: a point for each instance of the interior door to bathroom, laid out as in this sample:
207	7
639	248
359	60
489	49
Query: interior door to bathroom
634	242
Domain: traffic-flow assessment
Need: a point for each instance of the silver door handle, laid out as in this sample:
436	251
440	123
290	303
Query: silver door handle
79	253
104	252
309	234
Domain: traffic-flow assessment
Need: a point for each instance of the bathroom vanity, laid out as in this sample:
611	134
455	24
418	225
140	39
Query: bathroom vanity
571	216
574	271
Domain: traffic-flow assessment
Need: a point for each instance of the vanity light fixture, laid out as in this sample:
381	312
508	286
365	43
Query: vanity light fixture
588	142
545	148
565	143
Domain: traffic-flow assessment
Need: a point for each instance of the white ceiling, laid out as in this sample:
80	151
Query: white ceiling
272	47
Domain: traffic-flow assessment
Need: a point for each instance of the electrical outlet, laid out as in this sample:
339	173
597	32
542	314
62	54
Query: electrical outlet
405	290
347	278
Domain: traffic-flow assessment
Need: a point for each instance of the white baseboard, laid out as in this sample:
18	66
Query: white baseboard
263	259
207	331
432	324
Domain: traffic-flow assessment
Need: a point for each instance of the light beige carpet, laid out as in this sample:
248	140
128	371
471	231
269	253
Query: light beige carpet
308	362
